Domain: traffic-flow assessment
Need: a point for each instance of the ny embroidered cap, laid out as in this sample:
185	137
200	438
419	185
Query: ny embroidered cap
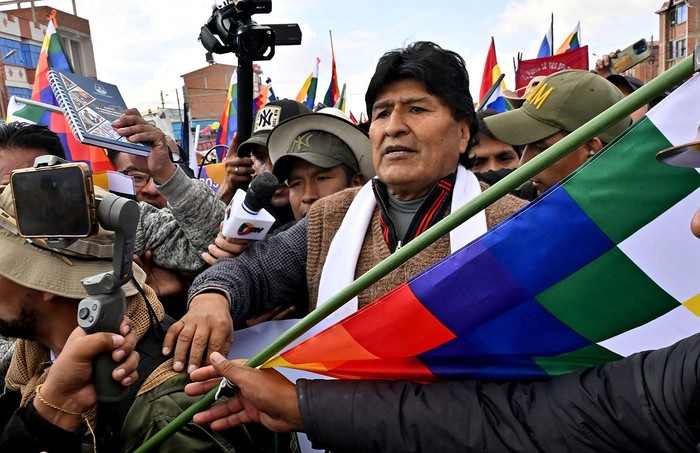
266	119
563	101
56	271
326	139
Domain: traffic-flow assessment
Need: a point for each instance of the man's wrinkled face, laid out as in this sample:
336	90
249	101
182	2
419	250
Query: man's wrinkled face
416	141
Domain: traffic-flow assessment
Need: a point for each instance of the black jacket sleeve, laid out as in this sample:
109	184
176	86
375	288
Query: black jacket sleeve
635	404
28	432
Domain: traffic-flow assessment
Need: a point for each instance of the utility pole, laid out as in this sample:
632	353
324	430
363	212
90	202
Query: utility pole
177	97
162	100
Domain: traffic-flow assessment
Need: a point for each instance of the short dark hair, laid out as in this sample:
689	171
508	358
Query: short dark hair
25	135
349	174
442	72
484	131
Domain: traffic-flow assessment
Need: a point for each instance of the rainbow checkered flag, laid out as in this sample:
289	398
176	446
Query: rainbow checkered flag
597	268
229	117
53	57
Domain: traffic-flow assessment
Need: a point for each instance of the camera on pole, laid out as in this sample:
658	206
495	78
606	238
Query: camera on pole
230	29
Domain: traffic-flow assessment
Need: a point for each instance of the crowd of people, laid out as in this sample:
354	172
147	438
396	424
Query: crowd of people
349	196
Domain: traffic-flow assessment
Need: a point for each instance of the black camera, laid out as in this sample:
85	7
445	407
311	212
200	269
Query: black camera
230	29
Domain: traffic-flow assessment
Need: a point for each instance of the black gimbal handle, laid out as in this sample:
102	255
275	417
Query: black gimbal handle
104	308
104	313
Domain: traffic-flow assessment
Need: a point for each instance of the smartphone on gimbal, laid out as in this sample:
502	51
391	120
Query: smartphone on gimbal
55	201
55	205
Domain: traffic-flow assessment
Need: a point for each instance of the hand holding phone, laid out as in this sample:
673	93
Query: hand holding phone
630	56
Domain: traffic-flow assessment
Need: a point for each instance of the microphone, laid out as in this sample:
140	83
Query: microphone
260	192
245	217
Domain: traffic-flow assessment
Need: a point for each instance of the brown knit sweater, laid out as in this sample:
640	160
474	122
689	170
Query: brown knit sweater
325	218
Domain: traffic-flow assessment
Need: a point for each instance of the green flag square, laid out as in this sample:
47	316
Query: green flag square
630	183
612	296
575	360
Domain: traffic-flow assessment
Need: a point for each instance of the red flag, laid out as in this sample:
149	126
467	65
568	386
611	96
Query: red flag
488	79
527	69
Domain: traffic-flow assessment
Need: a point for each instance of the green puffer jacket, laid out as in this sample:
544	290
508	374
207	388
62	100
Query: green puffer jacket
153	410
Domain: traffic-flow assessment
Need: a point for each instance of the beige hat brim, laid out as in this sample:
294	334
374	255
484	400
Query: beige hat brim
686	155
513	99
43	270
34	267
282	137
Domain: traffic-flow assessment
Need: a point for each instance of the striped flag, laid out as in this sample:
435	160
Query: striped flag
53	57
599	267
341	101
353	119
333	92
572	42
307	94
229	117
492	73
546	46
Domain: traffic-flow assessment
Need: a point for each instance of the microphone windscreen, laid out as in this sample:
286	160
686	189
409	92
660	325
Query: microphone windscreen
260	191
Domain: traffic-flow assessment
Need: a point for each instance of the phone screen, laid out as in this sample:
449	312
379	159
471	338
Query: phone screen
52	203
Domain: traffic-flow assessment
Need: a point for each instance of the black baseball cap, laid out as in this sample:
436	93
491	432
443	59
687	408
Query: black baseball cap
269	116
632	83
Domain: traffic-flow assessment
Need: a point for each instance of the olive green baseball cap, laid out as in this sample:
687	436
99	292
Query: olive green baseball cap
326	139
563	101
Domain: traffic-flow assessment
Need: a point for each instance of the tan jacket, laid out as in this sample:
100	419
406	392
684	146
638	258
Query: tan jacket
325	218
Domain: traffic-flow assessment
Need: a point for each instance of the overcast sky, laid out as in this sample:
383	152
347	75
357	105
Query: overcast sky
145	46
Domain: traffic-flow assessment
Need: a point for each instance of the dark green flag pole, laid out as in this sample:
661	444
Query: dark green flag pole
665	81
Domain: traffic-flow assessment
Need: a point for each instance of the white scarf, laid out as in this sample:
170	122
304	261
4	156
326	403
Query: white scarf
344	251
